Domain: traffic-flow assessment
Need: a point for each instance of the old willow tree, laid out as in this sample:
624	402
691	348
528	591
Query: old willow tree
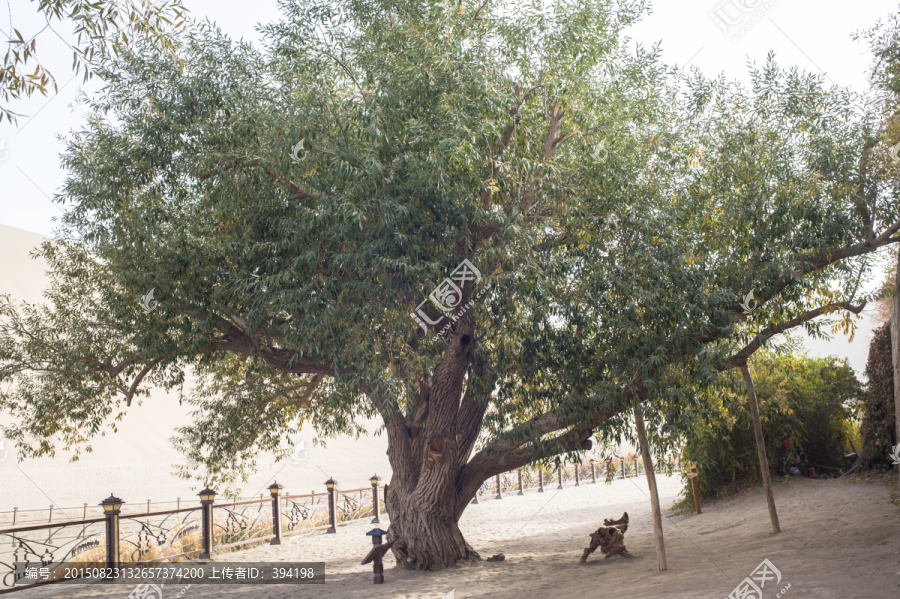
493	226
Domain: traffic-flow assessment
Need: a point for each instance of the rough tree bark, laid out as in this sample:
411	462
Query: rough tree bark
425	462
430	447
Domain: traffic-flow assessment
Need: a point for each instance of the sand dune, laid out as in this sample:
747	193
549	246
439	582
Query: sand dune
136	462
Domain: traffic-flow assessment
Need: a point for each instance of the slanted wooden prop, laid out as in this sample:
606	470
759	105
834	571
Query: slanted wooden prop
610	538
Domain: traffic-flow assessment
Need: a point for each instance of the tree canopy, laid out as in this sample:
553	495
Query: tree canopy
634	229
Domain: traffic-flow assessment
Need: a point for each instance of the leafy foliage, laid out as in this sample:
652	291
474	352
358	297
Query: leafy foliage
291	205
877	426
808	402
103	28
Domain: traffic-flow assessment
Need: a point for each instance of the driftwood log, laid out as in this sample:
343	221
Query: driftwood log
610	538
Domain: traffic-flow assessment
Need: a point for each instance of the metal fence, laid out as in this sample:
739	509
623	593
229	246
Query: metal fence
134	536
127	537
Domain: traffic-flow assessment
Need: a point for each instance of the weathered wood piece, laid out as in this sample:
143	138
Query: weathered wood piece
610	538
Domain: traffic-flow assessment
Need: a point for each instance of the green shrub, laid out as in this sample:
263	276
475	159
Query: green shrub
878	426
810	399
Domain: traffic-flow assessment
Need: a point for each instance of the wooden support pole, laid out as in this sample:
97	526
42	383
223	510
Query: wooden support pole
651	482
895	351
760	446
696	495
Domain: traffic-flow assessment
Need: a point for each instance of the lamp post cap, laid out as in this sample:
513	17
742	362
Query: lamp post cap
275	485
111	499
376	532
330	481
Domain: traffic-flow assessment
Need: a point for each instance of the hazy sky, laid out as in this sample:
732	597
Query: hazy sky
813	35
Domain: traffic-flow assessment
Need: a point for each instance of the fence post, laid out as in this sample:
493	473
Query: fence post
521	492
499	493
207	497
112	506
608	469
577	481
623	468
559	476
275	491
51	514
84	517
332	517
593	473
16	515
374	480
179	503
540	481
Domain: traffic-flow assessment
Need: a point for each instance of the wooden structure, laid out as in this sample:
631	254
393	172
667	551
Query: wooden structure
377	552
651	482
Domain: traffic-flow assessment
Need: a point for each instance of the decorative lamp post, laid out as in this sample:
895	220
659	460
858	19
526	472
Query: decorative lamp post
593	472
377	552
332	517
207	497
375	480
275	491
112	507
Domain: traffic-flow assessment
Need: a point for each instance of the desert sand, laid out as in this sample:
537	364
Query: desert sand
840	539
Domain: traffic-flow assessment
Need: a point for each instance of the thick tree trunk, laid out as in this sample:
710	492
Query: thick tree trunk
426	539
895	352
430	444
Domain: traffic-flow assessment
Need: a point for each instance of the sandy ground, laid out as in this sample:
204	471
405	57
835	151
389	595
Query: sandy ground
839	539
